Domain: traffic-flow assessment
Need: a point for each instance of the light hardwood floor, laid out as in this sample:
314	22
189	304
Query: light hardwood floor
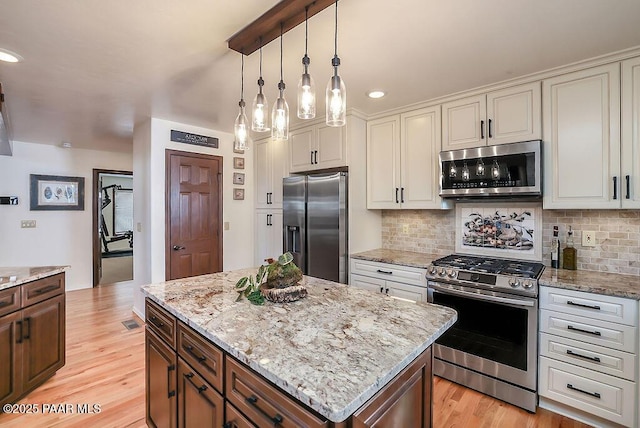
105	366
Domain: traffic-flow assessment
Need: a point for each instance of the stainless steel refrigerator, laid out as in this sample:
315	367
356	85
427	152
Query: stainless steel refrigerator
315	224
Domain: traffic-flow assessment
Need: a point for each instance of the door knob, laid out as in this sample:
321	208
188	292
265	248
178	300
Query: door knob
177	248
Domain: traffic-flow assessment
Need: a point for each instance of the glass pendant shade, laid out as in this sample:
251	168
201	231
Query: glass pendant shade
241	130
280	119
306	97
260	110
336	101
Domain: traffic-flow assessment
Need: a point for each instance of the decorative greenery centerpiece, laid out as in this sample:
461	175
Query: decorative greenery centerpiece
278	282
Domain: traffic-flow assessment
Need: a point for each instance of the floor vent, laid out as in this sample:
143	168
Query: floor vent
130	324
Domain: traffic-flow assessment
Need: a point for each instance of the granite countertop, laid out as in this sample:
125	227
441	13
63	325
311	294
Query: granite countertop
610	284
13	276
332	350
397	257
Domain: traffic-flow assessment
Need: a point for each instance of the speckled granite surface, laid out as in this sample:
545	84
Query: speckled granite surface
397	257
611	284
26	274
332	350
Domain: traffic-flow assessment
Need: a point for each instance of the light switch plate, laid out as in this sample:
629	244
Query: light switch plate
405	228
27	224
588	239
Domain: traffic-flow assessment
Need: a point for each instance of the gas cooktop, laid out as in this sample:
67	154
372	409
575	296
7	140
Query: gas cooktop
509	275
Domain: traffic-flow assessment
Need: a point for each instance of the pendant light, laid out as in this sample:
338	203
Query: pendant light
241	126
280	112
336	91
306	85
260	110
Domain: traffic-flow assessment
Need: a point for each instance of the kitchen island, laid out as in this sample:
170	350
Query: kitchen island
325	360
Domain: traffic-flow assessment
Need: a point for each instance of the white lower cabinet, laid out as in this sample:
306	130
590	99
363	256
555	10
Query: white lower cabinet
588	356
400	282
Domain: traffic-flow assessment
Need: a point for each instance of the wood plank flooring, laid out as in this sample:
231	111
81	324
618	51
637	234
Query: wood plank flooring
105	366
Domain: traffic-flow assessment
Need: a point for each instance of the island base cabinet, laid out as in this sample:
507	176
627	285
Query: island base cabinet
199	405
404	402
160	381
235	419
10	353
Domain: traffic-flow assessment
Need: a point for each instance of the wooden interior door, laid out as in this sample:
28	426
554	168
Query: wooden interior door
194	214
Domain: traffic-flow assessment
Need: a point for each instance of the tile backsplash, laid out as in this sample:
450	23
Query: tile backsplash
617	234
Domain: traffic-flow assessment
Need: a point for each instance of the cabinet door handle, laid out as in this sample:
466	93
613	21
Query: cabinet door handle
200	358
170	368
628	179
615	187
595	359
596	307
482	129
489	128
316	156
402	195
382	289
593	394
45	289
311	152
386	291
397	189
277	419
19	335
388	272
595	333
27	323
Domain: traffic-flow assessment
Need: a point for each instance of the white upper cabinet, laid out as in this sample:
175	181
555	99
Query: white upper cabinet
402	161
581	114
503	116
631	133
317	147
271	164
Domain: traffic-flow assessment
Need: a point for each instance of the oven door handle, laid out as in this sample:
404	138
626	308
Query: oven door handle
479	296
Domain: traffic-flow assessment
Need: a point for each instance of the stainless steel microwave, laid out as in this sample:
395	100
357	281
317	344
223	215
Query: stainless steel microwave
503	170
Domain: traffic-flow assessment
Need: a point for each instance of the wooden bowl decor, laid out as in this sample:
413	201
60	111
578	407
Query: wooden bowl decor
278	282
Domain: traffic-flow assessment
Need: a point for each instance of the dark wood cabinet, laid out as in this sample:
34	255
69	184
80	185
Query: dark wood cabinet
32	336
199	405
160	378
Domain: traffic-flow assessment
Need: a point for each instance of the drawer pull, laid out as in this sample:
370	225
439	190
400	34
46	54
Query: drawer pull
382	289
170	368
570	352
593	394
200	358
5	303
596	307
156	322
277	419
45	289
200	389
595	333
386	272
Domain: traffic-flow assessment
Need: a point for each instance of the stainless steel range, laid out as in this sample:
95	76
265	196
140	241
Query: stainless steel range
493	346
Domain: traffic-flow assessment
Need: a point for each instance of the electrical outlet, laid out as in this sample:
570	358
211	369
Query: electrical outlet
405	228
588	239
226	225
27	224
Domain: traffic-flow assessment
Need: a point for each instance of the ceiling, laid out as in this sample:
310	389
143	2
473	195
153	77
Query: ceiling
92	69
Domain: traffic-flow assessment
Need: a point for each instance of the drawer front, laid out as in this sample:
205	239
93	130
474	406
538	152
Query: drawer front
202	355
368	283
593	357
262	403
161	322
389	272
596	393
9	300
602	333
605	308
42	289
235	419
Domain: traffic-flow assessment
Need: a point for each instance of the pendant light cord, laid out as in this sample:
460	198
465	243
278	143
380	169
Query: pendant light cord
242	79
306	29
336	32
260	57
281	26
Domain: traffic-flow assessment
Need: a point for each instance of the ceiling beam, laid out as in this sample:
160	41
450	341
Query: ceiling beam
289	13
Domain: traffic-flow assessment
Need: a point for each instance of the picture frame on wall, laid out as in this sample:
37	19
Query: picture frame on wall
238	178
238	163
56	193
238	194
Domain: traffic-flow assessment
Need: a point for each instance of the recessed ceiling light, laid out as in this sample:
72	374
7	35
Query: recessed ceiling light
376	94
9	56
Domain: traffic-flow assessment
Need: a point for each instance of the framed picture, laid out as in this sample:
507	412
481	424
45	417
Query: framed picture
238	194
238	163
56	192
238	178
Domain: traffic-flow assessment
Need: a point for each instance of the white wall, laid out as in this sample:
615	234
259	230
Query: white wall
151	139
60	237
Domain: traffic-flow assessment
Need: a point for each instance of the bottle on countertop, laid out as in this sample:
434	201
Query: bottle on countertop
555	249
569	254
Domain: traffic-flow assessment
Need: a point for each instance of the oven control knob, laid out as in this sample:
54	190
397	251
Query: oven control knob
431	270
441	271
451	273
527	283
514	282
